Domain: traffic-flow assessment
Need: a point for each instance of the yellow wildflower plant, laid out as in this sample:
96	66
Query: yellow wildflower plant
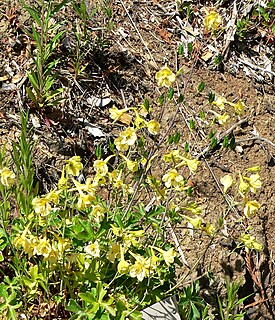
131	165
139	121
243	186
153	127
116	113
53	196
98	212
168	255
254	169
209	229
101	167
250	242
74	166
92	249
130	237
141	268
220	103
212	20
254	182
113	252
251	207
193	208
7	177
192	164
123	265
173	156
63	181
165	77
126	138
41	206
239	106
195	222
227	182
84	201
43	247
172	179
222	118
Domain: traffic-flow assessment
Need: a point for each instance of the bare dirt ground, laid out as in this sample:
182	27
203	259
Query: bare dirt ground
121	66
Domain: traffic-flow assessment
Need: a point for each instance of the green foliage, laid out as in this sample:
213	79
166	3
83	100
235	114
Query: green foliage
190	303
229	307
46	36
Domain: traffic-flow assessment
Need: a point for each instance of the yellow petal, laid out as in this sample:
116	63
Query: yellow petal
227	182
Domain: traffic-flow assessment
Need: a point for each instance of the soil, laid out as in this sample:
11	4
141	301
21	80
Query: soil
122	69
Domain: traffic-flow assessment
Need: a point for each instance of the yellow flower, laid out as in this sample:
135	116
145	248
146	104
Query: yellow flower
131	165
101	167
52	196
43	247
139	122
254	169
222	118
7	177
126	138
173	156
129	237
92	249
114	252
117	231
140	269
165	77
169	256
74	166
41	206
220	102
195	222
191	163
62	183
227	182
123	265
172	178
254	182
115	113
193	207
153	127
251	207
212	20
209	229
243	186
239	107
98	212
251	242
85	201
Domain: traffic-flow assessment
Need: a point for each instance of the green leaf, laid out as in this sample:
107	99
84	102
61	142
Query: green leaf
73	306
180	50
186	147
201	86
192	124
214	142
170	93
34	14
161	99
31	95
211	97
190	47
177	138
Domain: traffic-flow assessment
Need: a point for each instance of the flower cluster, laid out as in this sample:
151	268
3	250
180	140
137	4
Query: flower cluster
51	250
221	103
246	185
7	177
